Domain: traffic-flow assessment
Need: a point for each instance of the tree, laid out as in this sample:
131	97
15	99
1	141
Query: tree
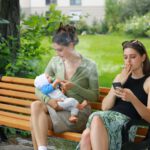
9	11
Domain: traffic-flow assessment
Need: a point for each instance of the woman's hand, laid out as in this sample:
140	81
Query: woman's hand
52	103
125	94
123	76
66	85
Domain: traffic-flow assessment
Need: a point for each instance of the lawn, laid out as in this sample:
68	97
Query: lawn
105	50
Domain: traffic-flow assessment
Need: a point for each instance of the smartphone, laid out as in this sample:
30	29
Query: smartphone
117	84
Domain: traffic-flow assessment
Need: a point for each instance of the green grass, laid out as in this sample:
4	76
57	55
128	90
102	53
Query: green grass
62	144
105	50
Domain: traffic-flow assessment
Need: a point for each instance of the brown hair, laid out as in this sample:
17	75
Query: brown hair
65	35
140	48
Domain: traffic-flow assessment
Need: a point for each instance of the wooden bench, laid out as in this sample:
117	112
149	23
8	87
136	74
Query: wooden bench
16	96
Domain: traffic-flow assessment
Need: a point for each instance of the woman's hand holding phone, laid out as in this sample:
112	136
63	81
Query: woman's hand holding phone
117	88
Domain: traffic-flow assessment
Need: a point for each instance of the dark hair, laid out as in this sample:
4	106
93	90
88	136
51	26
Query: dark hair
140	48
65	35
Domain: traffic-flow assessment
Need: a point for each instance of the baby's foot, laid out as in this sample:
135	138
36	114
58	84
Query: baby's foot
82	105
73	119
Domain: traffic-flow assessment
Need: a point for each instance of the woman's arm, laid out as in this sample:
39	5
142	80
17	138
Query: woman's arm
143	111
110	99
85	85
128	95
92	92
41	96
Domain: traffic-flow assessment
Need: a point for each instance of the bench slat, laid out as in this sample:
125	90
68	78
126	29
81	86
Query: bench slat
17	80
95	105
17	87
72	136
18	94
142	131
104	90
139	139
24	125
15	101
13	115
14	123
15	108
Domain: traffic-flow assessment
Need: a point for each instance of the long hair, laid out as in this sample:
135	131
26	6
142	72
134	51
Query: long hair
65	35
140	48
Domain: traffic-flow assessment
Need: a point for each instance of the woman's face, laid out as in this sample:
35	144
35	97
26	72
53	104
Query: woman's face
63	51
133	59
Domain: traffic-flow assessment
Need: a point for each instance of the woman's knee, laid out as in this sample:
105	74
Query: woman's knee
36	107
96	120
86	134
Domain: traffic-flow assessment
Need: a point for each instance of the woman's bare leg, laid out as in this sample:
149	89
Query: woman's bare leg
85	143
40	122
98	134
35	146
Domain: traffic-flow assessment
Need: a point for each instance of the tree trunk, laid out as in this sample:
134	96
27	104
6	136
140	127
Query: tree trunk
10	10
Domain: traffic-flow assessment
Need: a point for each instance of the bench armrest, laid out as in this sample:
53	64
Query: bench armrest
126	128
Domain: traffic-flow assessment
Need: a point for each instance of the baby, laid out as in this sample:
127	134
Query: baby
51	87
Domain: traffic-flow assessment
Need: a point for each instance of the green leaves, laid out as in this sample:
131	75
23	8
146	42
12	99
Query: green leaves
25	60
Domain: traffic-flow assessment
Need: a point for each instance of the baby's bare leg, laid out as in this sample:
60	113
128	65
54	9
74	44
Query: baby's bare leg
54	105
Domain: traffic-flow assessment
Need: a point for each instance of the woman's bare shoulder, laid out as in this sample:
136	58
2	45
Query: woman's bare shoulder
147	85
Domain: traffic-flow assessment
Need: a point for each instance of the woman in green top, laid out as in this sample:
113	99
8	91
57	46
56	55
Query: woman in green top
79	80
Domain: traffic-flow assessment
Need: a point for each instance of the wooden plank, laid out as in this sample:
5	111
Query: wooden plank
14	123
14	115
139	139
142	131
95	105
15	108
104	90
18	94
101	97
24	125
25	81
15	101
72	136
17	87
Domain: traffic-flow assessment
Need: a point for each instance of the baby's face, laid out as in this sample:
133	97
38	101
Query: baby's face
48	78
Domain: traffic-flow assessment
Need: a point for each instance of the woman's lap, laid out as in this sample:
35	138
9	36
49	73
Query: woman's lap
114	122
61	123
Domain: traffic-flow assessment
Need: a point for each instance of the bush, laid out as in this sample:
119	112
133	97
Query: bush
138	26
95	28
82	27
118	11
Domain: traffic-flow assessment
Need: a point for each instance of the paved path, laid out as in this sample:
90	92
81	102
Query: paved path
19	144
14	147
16	144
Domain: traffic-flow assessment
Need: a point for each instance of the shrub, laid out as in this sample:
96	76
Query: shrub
138	26
118	11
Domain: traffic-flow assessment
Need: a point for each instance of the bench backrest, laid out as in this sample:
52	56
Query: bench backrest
17	94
